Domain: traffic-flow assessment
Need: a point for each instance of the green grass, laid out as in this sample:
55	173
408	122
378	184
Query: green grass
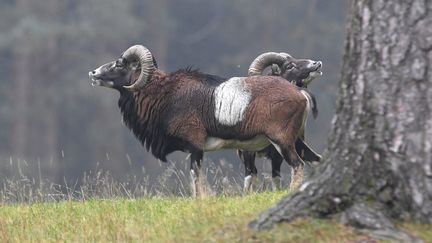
159	219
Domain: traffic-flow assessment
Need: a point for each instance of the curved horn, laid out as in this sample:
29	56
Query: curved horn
286	55
145	58
264	60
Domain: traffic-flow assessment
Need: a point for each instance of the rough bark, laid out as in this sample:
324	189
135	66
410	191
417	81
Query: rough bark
378	164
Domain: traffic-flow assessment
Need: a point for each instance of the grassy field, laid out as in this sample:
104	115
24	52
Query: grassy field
160	219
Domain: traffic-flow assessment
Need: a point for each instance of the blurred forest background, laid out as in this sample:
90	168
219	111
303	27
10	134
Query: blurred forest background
57	126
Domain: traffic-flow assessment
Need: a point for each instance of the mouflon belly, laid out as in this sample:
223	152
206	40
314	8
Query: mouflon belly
255	144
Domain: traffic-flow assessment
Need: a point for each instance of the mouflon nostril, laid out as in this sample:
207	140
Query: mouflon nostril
92	73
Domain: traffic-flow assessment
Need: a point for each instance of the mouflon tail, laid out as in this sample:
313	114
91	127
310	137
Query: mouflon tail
312	105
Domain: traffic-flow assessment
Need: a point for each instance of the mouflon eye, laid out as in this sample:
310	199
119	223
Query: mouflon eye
289	65
119	64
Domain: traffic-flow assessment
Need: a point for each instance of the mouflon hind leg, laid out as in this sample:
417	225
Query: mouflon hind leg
297	165
290	155
276	162
251	172
296	176
195	171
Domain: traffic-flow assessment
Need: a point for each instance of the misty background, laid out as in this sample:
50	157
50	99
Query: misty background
54	125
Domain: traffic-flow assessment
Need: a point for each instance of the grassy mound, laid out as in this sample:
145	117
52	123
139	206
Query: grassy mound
165	219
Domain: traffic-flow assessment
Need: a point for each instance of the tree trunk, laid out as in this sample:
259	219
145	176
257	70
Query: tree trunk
50	118
158	32
21	73
378	164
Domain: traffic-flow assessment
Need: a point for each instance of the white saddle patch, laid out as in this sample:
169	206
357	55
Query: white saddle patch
231	100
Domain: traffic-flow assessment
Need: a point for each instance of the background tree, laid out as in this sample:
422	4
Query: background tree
21	57
378	164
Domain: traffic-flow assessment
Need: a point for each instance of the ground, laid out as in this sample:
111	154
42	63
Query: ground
167	219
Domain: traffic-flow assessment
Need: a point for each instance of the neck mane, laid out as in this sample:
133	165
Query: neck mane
141	113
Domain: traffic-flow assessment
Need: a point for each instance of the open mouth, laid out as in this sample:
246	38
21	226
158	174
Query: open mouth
315	74
318	66
317	71
95	81
99	82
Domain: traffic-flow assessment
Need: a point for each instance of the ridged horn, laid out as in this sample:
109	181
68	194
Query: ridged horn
286	55
146	61
264	60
